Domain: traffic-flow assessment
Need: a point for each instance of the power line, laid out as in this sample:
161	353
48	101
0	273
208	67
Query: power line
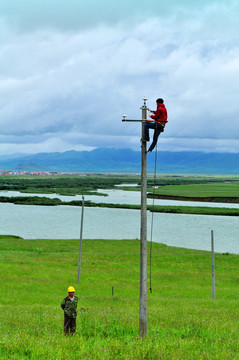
152	223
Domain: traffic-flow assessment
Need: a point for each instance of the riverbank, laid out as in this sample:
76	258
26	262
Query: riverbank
45	201
183	320
216	199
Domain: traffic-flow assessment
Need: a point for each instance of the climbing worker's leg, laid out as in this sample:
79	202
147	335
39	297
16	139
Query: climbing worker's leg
158	129
148	126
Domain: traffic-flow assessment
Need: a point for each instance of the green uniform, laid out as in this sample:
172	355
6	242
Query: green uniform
69	306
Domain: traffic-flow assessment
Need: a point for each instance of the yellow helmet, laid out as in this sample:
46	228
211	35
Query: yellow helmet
71	289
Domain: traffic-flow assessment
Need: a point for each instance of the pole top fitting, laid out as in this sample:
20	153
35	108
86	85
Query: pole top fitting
144	106
145	99
124	117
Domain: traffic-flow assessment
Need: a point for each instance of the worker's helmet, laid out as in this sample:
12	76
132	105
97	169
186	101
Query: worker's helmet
71	289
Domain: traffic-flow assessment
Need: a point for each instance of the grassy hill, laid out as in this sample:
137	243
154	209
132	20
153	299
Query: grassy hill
183	320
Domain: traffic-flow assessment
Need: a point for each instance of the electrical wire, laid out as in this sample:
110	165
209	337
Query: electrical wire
152	222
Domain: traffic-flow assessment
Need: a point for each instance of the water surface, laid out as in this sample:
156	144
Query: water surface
63	222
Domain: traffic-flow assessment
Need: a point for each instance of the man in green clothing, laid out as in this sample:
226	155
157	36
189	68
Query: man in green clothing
69	305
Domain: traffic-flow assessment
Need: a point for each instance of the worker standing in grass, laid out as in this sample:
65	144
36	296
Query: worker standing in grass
69	305
160	116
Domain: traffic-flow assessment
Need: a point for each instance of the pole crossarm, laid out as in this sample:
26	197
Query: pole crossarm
143	120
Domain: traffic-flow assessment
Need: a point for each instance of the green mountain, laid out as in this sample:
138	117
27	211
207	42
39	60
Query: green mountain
124	161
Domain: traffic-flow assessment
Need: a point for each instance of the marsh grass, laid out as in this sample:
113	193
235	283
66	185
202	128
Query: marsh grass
221	189
200	210
183	321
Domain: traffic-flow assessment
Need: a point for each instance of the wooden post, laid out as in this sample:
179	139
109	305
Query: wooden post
143	233
213	266
80	245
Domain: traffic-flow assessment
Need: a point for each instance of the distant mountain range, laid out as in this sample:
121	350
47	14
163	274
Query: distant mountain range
124	161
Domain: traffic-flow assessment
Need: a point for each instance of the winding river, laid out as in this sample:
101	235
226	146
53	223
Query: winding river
63	222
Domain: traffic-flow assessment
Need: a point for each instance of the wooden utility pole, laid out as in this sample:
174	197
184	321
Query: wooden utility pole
143	228
80	245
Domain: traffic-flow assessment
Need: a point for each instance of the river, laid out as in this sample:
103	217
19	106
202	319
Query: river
63	222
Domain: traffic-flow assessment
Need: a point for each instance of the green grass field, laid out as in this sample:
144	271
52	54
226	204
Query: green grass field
215	189
183	320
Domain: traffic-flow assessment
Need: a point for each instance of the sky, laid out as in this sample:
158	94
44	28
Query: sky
69	69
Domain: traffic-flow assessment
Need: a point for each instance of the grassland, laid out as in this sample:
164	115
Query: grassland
191	188
167	185
183	320
63	185
225	191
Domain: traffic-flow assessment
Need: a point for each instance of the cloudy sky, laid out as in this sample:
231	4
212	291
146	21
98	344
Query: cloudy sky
69	69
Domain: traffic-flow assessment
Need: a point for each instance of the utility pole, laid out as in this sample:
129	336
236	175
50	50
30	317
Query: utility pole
143	228
213	266
143	233
80	245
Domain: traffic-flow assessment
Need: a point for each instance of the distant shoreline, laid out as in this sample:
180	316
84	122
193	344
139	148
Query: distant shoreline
196	210
233	200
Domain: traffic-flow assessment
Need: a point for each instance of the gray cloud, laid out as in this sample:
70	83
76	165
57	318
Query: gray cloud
61	90
29	15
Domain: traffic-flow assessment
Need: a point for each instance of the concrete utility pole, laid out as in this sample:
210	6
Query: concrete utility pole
143	233
143	228
80	244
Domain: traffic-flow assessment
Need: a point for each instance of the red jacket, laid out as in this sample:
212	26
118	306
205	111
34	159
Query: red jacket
160	115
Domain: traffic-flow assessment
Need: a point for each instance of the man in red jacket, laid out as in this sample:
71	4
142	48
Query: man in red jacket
160	116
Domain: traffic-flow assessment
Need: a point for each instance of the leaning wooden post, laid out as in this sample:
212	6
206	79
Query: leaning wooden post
143	233
80	245
213	266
